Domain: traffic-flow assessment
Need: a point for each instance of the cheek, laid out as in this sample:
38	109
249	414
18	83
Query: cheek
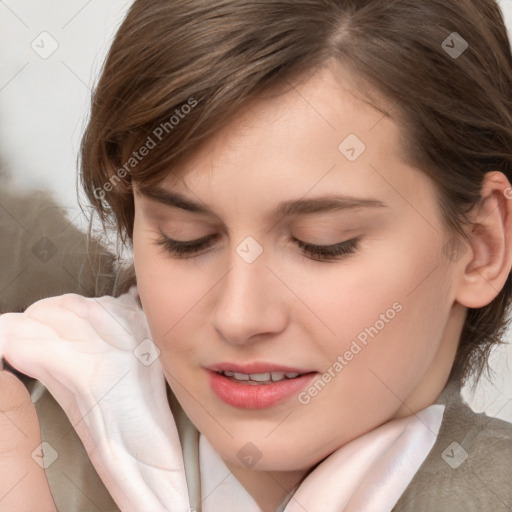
170	295
386	338
399	348
386	311
162	300
156	283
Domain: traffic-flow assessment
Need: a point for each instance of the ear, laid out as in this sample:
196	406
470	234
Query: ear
484	271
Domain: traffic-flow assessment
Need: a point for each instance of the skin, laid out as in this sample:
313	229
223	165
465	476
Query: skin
23	484
287	308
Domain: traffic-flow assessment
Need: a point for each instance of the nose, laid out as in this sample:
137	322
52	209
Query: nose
251	304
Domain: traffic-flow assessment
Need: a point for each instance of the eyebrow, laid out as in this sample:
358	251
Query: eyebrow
286	208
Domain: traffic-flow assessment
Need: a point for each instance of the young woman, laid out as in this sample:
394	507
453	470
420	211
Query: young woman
318	200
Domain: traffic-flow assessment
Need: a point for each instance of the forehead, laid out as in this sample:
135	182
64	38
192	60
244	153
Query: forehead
318	137
326	101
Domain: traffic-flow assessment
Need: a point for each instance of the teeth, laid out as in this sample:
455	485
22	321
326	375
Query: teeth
261	377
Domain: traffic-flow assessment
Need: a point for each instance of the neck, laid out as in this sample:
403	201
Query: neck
267	488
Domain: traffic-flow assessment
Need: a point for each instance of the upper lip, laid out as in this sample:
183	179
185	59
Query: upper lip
257	367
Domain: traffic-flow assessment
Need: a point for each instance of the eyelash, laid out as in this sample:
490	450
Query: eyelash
324	253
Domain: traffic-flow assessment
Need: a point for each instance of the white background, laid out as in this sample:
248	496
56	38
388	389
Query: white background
44	104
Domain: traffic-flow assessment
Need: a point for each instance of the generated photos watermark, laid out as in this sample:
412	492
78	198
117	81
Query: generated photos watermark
156	136
357	345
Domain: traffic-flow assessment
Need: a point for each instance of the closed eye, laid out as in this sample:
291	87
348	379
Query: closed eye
326	253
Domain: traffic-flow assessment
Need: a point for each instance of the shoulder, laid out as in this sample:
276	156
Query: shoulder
73	481
469	467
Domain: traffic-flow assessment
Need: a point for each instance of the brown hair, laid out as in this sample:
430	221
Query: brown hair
178	71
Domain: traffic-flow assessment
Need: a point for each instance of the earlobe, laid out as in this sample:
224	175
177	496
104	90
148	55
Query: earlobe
490	241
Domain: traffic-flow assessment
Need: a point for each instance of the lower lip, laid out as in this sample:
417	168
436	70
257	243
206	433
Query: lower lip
257	396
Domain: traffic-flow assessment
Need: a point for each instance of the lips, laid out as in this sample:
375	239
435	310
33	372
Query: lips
257	385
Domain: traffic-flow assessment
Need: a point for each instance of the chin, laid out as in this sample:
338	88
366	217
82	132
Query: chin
269	456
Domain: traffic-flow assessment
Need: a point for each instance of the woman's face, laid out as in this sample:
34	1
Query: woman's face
372	329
